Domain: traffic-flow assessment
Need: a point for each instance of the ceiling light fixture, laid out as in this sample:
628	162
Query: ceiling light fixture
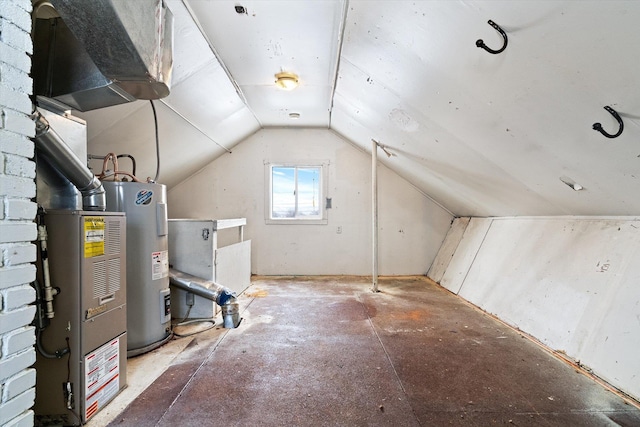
294	115
286	80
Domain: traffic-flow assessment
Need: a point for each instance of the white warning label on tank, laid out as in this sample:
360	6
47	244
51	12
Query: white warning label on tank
159	265
102	373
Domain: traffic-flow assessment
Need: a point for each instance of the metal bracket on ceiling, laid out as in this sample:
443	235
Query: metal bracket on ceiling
598	126
481	44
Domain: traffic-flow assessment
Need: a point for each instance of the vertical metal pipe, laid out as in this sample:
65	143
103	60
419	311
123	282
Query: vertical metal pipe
374	209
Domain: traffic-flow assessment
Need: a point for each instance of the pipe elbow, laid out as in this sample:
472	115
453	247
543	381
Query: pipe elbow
94	196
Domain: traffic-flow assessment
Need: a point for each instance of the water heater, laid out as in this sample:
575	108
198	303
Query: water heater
148	294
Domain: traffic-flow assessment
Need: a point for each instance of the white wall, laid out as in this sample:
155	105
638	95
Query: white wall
573	283
17	211
412	227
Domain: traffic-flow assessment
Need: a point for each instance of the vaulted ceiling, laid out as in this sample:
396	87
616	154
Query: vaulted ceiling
483	134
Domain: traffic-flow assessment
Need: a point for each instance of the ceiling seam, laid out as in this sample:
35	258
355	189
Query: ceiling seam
343	26
193	72
194	125
222	64
138	102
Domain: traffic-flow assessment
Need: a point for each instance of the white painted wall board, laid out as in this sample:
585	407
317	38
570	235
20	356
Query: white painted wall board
570	282
233	266
412	227
474	234
448	249
612	347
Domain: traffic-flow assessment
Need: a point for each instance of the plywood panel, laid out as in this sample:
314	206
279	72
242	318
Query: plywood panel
233	266
448	249
461	262
570	282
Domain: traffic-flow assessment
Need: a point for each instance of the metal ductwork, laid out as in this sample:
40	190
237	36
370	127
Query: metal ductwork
221	295
201	287
61	157
101	53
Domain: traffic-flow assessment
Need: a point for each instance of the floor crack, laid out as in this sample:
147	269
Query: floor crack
388	356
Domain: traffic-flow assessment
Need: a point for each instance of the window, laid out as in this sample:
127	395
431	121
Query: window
296	194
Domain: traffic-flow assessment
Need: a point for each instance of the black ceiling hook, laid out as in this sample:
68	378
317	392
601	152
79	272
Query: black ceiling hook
481	44
598	126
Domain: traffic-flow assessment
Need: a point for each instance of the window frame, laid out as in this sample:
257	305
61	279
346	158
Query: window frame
324	172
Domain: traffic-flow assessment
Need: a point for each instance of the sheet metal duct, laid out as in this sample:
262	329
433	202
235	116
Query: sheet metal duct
201	287
103	52
61	157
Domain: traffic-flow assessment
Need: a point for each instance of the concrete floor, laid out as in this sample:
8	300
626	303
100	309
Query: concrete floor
315	351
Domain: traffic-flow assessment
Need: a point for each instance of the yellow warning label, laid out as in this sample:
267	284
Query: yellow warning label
93	236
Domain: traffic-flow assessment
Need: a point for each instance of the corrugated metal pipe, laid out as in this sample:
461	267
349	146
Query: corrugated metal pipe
221	295
60	156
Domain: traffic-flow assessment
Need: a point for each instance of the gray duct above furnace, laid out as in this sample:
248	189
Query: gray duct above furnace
103	53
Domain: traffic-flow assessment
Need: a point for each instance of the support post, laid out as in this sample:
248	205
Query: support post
374	209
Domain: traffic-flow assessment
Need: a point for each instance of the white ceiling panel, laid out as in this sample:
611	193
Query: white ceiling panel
206	98
190	50
527	111
276	105
301	37
481	134
104	119
183	149
435	161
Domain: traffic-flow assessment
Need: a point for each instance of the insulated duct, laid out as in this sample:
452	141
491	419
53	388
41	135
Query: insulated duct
60	156
201	287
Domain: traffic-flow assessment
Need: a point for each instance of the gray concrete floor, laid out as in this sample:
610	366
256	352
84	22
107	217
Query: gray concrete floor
326	351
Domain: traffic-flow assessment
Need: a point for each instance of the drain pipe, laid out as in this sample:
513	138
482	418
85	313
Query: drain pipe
221	295
49	143
49	291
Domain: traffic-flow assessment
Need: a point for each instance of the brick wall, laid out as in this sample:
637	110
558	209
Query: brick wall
17	211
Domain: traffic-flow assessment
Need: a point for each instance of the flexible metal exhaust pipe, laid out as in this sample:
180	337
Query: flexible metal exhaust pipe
201	287
60	156
221	295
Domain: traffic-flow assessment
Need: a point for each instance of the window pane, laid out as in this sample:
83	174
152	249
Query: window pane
308	192
283	197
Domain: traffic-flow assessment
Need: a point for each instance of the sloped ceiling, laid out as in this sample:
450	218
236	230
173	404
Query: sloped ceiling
482	134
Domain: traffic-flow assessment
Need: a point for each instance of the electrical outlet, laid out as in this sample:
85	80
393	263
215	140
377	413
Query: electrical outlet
339	229
190	299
